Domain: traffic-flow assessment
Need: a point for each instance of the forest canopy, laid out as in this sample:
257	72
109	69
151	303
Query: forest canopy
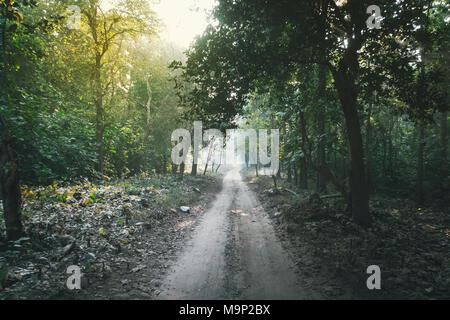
338	110
93	92
363	99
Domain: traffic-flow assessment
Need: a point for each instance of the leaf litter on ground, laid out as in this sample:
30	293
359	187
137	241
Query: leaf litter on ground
103	228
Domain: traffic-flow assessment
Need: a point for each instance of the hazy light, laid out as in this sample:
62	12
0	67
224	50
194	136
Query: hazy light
182	20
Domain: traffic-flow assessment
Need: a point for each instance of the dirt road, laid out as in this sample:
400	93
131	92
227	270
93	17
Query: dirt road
234	253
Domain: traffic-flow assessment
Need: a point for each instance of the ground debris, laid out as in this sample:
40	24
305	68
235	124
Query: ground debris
411	245
185	209
103	229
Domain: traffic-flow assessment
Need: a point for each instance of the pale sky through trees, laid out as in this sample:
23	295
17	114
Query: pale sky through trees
183	19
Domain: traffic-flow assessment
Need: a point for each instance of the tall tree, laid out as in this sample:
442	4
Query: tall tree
256	43
9	164
106	30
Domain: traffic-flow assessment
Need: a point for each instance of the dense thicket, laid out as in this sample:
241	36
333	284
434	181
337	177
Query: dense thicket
365	108
51	98
360	109
94	100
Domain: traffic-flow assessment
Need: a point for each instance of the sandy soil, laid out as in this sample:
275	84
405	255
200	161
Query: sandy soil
234	253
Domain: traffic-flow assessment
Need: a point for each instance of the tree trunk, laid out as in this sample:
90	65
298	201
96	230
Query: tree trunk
182	170
421	104
97	88
9	164
274	178
421	144
194	168
368	132
444	143
295	174
10	188
303	163
334	155
289	172
321	186
164	166
359	196
384	153
321	183
344	168
100	127
148	106
390	167
303	174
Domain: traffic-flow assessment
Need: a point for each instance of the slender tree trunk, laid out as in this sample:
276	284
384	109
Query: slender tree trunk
148	106
274	178
321	185
303	162
220	162
344	167
384	153
289	172
303	174
444	143
100	114
97	88
421	144
197	148
211	150
10	188
294	169
421	104
165	165
195	157
148	118
182	170
9	163
368	133
390	168
335	162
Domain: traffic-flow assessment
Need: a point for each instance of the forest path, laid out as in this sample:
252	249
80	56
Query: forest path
234	253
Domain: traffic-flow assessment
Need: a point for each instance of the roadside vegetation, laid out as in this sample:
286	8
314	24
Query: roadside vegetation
89	98
409	244
106	228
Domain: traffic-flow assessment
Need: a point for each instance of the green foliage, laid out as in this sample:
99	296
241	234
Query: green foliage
52	113
259	66
264	62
